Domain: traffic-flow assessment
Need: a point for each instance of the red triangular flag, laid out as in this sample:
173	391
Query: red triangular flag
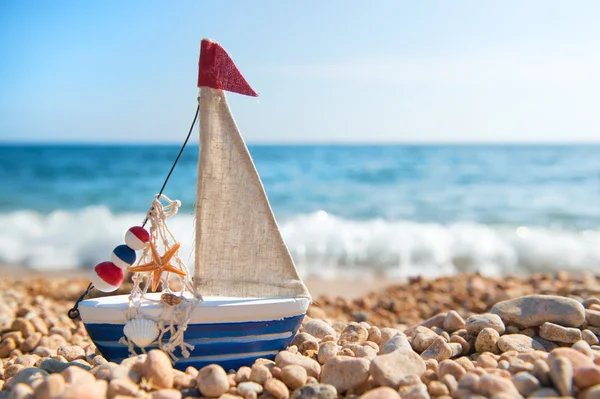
217	70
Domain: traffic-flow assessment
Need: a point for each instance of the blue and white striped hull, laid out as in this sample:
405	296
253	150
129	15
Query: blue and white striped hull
231	332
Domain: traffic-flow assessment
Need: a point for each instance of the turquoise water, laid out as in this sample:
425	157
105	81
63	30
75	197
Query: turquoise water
400	210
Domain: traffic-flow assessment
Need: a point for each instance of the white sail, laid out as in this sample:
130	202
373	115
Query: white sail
239	249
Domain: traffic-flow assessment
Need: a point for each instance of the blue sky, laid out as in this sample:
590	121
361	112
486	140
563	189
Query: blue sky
327	71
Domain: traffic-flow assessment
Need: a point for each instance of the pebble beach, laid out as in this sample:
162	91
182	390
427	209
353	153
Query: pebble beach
465	336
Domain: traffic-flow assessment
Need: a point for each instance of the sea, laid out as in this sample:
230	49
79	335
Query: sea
355	211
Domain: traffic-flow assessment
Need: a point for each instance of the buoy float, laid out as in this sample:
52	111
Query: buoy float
123	256
137	237
107	277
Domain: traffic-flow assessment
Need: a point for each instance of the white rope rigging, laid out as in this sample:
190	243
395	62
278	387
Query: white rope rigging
177	308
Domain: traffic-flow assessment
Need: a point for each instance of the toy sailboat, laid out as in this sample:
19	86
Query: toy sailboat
246	299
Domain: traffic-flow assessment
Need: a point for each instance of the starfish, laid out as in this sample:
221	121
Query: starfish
159	264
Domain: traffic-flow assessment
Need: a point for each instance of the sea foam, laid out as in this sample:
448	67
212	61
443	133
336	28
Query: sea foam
321	244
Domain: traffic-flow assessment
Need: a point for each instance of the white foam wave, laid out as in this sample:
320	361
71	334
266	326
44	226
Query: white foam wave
321	244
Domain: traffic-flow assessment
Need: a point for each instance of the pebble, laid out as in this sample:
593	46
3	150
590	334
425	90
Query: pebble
315	391
285	358
212	380
453	322
277	389
535	310
71	352
318	329
526	383
558	333
294	376
157	370
260	373
587	377
374	335
561	373
576	358
122	387
438	350
422	338
396	342
389	369
589	337
451	367
476	323
74	375
381	393
242	375
518	342
353	334
51	387
30	376
487	340
245	388
345	373
491	385
166	394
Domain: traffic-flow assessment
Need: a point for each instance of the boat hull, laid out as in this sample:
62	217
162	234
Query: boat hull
232	332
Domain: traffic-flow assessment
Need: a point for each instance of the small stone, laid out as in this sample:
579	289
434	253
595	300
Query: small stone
589	337
285	358
353	334
518	342
437	388
415	391
20	391
166	394
545	393
557	333
396	342
242	375
491	385
71	352
50	388
591	393
31	341
122	387
387	333
277	388
308	346
157	370
374	335
438	350
7	346
183	380
315	391
592	317
27	360
587	377
301	338
453	322
576	358
380	393
76	375
30	376
535	310
561	373
422	338
345	373
260	374
487	341
366	352
390	368
476	323
54	341
23	325
294	376
526	383
318	329
212	380
487	361
466	348
451	367
245	388
583	347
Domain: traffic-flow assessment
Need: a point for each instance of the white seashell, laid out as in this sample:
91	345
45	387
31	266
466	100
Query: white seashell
141	332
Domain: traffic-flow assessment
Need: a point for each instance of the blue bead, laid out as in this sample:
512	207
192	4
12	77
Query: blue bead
125	253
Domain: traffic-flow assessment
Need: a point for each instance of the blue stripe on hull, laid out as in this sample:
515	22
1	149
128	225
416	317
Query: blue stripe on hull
240	353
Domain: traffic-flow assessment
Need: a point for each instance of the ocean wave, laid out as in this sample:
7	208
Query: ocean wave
321	244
